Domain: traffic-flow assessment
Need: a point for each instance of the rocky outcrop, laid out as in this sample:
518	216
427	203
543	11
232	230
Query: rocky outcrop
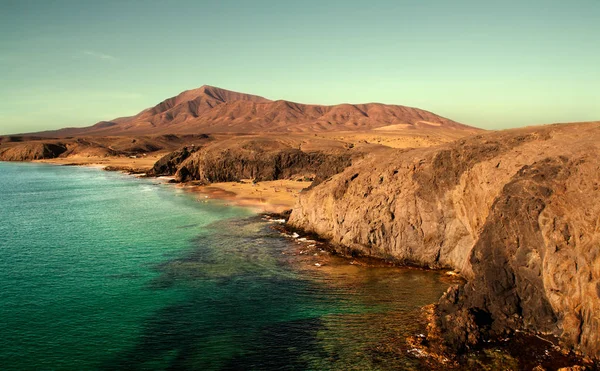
28	151
26	148
413	205
536	262
169	163
515	211
261	160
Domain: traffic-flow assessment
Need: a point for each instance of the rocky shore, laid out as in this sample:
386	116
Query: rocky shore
515	212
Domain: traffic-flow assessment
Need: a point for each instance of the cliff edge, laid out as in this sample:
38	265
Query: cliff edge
516	212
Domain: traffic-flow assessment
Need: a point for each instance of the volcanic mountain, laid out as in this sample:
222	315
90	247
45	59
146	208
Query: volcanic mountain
213	110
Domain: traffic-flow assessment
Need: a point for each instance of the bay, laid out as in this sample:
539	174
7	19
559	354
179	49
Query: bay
99	270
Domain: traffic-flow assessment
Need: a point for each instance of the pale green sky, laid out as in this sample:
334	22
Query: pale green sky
488	64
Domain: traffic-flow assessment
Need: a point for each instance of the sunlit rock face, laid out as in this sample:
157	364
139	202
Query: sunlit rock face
515	211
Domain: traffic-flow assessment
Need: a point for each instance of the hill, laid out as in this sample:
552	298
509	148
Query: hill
210	109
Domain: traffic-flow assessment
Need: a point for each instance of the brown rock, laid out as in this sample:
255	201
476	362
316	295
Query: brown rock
169	163
260	159
28	151
515	211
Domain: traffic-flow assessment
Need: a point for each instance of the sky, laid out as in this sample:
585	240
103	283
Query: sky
491	64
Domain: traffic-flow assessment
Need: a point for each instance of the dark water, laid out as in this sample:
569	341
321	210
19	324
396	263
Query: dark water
102	271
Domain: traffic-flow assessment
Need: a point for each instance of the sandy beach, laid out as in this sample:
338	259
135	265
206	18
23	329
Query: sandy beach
272	196
138	164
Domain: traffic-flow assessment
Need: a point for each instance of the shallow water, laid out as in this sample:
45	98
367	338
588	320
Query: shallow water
100	270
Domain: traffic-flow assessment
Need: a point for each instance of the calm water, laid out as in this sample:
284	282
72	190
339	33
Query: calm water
102	271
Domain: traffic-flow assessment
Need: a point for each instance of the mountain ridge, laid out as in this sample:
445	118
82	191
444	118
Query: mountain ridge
209	109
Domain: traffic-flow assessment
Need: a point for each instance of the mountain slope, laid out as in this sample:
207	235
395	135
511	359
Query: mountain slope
213	110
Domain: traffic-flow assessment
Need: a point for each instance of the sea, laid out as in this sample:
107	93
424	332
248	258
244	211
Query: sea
104	271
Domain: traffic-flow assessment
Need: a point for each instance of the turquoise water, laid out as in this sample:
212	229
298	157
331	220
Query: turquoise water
99	270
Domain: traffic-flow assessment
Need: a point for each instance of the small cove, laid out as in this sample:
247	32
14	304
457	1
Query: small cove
103	271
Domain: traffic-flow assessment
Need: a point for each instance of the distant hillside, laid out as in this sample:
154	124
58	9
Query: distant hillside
213	110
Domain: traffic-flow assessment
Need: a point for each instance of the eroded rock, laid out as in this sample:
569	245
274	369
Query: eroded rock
260	160
169	163
27	151
516	212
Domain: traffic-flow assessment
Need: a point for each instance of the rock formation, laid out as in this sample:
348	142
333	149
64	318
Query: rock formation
517	212
169	163
261	159
32	151
17	148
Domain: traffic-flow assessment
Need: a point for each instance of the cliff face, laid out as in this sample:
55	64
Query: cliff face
536	263
18	148
32	151
261	159
517	212
168	164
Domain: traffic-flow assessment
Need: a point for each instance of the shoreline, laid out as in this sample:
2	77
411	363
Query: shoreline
275	196
134	165
257	196
526	350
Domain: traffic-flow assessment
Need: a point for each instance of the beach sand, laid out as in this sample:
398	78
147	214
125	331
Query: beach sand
273	196
138	164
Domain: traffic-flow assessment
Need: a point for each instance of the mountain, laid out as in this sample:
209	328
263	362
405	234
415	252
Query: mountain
210	109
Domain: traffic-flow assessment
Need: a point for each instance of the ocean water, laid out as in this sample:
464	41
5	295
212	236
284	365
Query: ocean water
102	271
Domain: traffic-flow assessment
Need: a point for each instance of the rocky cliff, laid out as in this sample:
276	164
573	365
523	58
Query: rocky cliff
26	148
517	212
169	163
32	151
261	159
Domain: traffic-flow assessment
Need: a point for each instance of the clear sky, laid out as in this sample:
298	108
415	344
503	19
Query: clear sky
492	64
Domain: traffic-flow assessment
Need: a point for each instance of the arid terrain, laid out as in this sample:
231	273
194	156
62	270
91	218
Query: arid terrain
514	212
230	136
213	110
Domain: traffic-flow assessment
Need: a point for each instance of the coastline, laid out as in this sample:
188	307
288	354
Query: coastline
267	197
520	350
274	197
233	272
134	165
